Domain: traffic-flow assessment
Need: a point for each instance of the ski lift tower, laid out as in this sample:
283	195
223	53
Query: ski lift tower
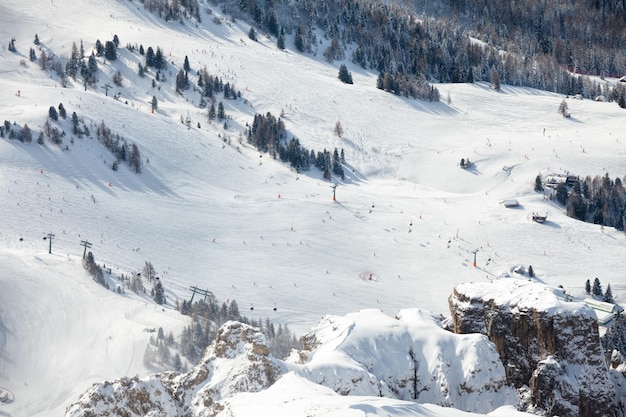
106	88
86	244
474	252
49	236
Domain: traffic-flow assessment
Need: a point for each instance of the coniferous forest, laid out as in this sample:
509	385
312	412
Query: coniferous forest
599	200
546	45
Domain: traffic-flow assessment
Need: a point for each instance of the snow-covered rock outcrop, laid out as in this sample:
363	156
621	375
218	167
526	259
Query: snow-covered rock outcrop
237	361
409	357
550	347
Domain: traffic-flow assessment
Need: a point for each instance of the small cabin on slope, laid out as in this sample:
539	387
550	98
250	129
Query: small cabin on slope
509	203
604	311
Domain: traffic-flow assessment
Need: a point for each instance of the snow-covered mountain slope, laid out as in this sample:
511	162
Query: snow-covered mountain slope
207	210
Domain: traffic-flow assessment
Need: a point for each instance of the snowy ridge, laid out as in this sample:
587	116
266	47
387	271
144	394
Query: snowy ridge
410	357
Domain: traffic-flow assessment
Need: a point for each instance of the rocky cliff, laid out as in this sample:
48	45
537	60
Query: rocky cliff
549	346
237	361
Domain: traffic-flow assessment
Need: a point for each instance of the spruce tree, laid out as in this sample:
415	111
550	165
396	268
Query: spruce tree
134	159
149	56
299	39
252	34
110	51
588	287
608	295
27	134
159	61
99	48
597	288
344	75
538	184
159	294
52	113
280	42
62	112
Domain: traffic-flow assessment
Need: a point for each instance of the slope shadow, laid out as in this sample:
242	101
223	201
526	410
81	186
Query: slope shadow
61	161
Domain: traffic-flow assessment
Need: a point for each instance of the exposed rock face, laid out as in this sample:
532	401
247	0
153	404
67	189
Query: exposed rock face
237	361
617	373
545	343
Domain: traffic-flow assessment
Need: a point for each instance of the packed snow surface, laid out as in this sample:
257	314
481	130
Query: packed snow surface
209	210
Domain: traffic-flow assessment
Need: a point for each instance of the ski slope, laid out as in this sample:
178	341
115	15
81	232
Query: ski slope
209	210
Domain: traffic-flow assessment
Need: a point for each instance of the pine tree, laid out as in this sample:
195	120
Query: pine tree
531	271
36	41
32	56
252	34
608	295
89	71
597	288
110	51
212	113
149	57
561	193
134	159
180	81
495	80
62	112
27	134
177	363
159	295
470	76
220	111
159	61
344	75
43	61
588	287
538	184
99	48
298	40
52	113
186	66
280	42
